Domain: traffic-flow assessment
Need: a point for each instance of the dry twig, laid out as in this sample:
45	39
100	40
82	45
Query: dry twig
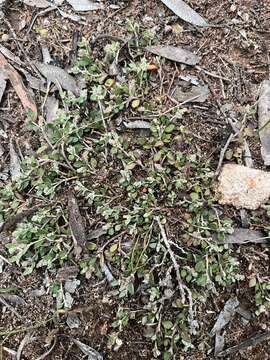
182	287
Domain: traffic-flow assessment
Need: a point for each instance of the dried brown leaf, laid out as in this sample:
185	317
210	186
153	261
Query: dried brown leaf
196	94
264	120
87	350
59	77
11	223
225	315
51	108
137	124
94	234
175	54
185	12
253	340
244	236
76	225
72	17
9	55
15	163
84	5
67	273
41	4
16	81
3	84
13	299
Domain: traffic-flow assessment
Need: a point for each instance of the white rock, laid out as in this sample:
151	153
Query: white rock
243	187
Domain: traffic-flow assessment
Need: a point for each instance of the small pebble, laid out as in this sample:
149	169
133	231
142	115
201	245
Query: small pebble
5	37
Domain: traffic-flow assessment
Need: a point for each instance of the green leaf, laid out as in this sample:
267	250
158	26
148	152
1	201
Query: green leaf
167	324
135	103
93	162
166	356
169	128
130	288
194	196
158	156
113	248
91	246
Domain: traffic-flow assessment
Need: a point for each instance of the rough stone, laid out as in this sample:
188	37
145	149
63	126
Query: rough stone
243	187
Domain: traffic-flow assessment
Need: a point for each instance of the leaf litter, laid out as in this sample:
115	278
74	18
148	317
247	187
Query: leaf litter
76	221
185	12
245	236
76	225
197	94
15	163
84	5
87	350
14	77
175	54
59	77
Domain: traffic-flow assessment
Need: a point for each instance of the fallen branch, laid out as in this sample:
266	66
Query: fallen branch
251	341
182	287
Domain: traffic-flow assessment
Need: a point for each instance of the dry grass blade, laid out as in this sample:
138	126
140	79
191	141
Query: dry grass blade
76	225
3	84
24	342
11	352
43	356
175	54
185	12
247	155
16	81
